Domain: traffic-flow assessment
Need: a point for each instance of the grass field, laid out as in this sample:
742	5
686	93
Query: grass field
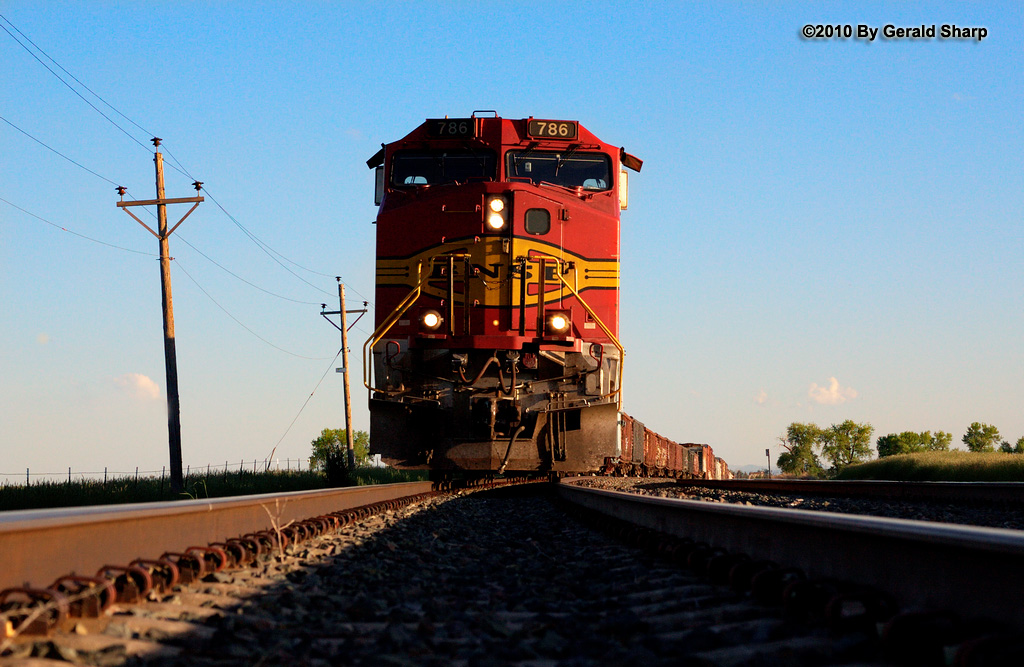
131	490
942	467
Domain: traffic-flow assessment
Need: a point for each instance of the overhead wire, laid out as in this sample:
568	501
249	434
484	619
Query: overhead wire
65	229
190	277
250	284
264	247
50	148
102	177
304	404
257	241
177	165
237	321
61	79
77	80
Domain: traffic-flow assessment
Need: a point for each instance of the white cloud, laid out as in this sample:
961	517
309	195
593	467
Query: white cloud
833	394
761	398
139	385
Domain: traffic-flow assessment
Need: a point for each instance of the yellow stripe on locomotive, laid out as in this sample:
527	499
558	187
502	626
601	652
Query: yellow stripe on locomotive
491	272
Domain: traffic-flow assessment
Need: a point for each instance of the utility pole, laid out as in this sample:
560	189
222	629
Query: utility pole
170	357
344	364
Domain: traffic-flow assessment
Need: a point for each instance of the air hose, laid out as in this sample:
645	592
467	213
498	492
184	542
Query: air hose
508	452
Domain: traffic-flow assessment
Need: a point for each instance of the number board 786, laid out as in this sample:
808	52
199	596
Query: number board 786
566	130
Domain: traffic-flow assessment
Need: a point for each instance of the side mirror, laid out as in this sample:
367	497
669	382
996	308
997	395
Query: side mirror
623	190
378	192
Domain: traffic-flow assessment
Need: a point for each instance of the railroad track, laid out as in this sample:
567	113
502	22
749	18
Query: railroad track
935	492
931	588
459	579
141	552
38	545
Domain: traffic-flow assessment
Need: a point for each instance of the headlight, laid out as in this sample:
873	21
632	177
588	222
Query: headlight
431	319
495	214
557	322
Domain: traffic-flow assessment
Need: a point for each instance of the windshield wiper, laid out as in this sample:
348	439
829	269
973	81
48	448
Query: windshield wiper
481	158
525	154
562	158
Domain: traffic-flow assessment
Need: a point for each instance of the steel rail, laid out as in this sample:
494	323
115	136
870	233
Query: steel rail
37	546
982	492
923	565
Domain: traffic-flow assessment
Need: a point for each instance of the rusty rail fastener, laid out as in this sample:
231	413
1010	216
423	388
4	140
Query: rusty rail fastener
32	611
163	573
190	567
88	597
213	558
131	582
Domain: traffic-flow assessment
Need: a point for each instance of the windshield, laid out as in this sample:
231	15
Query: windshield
590	171
441	166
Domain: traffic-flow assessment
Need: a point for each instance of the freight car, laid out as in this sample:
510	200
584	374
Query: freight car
642	452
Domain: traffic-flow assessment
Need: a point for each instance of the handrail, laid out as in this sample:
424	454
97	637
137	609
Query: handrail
403	306
385	326
406	303
615	341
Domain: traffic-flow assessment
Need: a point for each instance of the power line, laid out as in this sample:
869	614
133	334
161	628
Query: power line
253	285
77	80
61	79
257	241
180	168
270	252
114	183
239	322
83	236
50	148
308	398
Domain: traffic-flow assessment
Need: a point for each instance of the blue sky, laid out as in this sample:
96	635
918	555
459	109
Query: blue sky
823	230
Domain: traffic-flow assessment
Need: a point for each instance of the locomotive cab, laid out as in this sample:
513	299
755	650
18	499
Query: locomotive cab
495	347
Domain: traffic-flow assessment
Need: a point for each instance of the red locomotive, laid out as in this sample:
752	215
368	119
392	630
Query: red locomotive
497	302
496	343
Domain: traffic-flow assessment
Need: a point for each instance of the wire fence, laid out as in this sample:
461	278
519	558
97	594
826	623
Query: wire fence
266	465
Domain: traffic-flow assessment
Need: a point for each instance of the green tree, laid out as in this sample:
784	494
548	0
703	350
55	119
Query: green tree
909	442
940	441
799	457
981	437
846	443
330	450
1013	449
891	445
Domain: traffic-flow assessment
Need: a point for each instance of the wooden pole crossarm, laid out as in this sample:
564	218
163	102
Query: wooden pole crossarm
195	201
194	206
139	221
151	202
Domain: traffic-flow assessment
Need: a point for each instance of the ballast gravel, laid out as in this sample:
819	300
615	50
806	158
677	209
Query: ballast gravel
972	515
478	579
